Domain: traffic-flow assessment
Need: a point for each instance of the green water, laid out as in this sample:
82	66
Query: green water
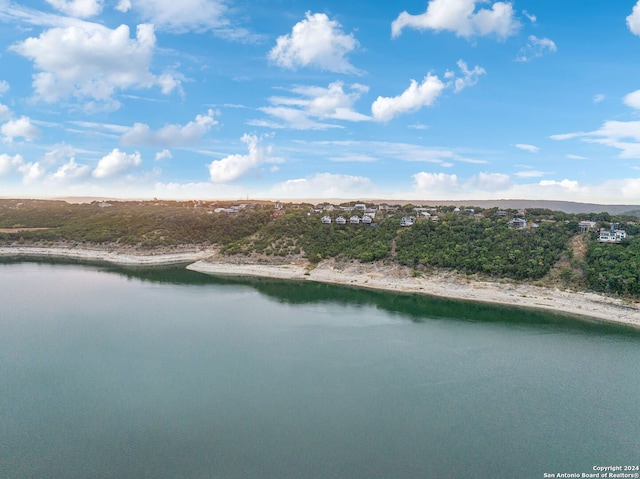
167	373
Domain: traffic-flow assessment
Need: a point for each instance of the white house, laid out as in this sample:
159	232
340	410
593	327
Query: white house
612	236
326	220
407	221
585	226
340	220
354	220
366	219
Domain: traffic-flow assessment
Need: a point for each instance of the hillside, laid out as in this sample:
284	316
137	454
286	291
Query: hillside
546	248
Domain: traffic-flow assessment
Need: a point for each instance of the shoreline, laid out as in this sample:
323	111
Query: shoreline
392	278
108	255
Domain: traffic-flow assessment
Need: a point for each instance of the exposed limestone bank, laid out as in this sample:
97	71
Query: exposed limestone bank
109	255
444	284
369	275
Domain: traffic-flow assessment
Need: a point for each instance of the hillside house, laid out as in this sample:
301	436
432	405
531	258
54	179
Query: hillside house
326	220
407	221
354	220
612	236
360	206
585	226
341	220
367	220
517	223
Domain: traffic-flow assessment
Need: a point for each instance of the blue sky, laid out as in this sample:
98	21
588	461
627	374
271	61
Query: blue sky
433	100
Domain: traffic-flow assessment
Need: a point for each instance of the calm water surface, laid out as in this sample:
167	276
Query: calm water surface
108	373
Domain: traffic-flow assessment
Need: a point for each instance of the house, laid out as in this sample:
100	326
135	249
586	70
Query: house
354	220
371	212
425	214
407	221
585	226
340	220
612	236
456	210
517	223
360	206
366	219
502	213
326	220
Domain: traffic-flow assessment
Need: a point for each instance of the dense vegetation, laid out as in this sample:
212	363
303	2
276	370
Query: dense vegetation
484	245
479	242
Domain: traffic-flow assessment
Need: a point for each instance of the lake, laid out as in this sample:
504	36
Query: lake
169	373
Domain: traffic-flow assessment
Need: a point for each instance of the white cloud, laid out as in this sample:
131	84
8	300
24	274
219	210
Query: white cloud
469	77
412	99
21	127
232	167
419	126
31	172
123	6
316	103
529	148
4	112
436	182
530	174
186	15
327	185
116	163
71	171
90	61
633	20
170	135
4	87
353	158
78	8
461	17
622	135
576	157
316	42
9	163
532	18
164	155
535	48
633	99
598	98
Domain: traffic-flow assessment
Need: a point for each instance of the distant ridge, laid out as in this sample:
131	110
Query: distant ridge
566	206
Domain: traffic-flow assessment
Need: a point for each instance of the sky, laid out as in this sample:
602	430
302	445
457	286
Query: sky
288	99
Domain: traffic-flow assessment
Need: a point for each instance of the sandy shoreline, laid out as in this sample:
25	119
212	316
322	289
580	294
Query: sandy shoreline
105	254
368	275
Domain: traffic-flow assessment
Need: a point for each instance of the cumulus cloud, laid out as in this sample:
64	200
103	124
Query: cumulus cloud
90	61
78	8
412	99
71	171
535	48
4	87
529	148
20	128
115	164
461	17
232	167
324	185
633	99
312	103
164	155
123	6
170	135
633	20
316	42
9	163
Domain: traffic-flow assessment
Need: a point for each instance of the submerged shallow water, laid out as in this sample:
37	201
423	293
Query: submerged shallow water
168	373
